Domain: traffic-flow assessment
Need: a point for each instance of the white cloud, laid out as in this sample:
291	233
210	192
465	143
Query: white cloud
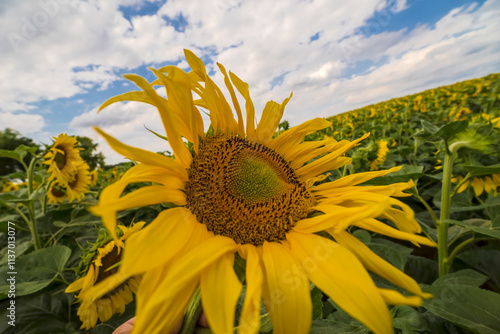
58	48
22	122
126	122
398	5
81	44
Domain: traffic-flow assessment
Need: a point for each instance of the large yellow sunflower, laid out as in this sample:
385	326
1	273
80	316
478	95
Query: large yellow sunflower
103	256
239	190
63	159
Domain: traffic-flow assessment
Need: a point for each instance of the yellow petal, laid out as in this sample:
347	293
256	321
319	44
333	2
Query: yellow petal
478	185
328	162
180	98
250	313
374	225
198	236
174	120
496	179
242	87
339	274
463	187
145	157
158	242
306	151
305	173
97	291
376	264
355	199
142	197
213	99
191	264
196	64
137	96
287	142
287	294
161	311
75	286
90	278
395	189
227	82
104	309
168	117
354	179
489	186
270	120
403	219
395	298
220	290
222	108
338	217
156	313
330	145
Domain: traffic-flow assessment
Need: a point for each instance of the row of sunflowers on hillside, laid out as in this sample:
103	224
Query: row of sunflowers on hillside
398	128
474	100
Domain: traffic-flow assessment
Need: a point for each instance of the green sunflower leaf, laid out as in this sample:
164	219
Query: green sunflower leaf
482	170
408	320
22	150
458	300
486	261
326	326
38	269
15	175
427	129
11	154
449	130
466	277
393	253
479	226
317	304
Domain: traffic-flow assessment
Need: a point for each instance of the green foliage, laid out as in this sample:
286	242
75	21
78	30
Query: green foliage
10	140
93	159
38	268
458	298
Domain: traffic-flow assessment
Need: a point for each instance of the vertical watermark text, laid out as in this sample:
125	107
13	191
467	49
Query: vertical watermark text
11	273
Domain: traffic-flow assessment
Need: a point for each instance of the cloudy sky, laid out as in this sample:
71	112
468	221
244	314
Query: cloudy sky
60	59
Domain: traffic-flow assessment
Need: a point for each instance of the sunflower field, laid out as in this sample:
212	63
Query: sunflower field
382	219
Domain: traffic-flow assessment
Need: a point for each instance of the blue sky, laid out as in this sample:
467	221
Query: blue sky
62	58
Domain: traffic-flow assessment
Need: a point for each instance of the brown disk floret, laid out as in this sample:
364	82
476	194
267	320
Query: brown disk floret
245	191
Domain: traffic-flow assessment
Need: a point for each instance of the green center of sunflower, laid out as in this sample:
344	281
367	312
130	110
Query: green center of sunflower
256	180
245	191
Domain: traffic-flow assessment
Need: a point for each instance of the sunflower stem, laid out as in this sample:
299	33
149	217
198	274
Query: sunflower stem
458	248
31	206
32	226
192	314
427	206
442	225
